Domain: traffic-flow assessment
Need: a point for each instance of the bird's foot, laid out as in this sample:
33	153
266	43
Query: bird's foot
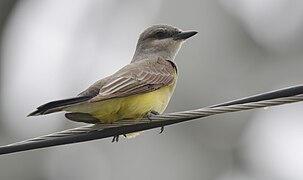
116	138
151	113
161	130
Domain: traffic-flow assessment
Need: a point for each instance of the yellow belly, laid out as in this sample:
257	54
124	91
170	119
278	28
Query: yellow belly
132	107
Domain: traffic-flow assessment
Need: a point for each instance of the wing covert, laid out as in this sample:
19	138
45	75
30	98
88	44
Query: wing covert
137	78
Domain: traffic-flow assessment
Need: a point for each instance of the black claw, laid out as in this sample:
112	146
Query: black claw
115	138
151	113
162	129
148	117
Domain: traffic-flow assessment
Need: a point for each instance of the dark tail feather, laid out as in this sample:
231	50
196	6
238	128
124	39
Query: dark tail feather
55	106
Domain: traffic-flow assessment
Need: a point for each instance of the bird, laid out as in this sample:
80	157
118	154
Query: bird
140	89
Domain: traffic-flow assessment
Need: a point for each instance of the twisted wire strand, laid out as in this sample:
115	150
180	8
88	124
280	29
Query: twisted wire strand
170	118
103	130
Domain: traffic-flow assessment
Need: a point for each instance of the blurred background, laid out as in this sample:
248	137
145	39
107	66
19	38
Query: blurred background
53	49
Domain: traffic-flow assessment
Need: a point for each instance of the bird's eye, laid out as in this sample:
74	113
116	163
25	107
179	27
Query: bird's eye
159	34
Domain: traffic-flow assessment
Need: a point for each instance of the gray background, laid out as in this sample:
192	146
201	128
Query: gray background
54	49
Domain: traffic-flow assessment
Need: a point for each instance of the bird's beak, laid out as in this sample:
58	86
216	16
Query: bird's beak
184	35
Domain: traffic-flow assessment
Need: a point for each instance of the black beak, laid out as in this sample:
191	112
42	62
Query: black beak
184	35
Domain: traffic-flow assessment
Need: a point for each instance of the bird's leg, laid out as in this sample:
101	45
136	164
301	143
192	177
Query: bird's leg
152	113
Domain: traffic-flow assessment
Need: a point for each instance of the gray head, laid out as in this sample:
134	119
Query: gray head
161	40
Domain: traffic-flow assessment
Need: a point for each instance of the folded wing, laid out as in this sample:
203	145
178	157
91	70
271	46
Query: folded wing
138	78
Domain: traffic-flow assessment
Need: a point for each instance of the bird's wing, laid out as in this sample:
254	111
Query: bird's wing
94	89
137	78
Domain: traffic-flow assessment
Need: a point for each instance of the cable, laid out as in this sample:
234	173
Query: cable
104	130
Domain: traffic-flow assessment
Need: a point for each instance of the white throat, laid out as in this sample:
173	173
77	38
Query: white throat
166	50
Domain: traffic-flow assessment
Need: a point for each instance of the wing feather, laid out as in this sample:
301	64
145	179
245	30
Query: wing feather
145	76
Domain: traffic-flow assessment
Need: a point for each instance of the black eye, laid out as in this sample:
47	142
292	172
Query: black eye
159	34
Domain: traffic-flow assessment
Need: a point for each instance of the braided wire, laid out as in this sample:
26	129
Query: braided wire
173	117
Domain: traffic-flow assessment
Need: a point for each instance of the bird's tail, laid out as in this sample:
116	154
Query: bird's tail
56	106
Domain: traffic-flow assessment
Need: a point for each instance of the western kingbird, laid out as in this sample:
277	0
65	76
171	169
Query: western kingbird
141	88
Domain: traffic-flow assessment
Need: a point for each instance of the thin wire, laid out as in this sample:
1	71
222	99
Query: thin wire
103	130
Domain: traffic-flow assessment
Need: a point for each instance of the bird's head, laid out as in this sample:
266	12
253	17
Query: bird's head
161	40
